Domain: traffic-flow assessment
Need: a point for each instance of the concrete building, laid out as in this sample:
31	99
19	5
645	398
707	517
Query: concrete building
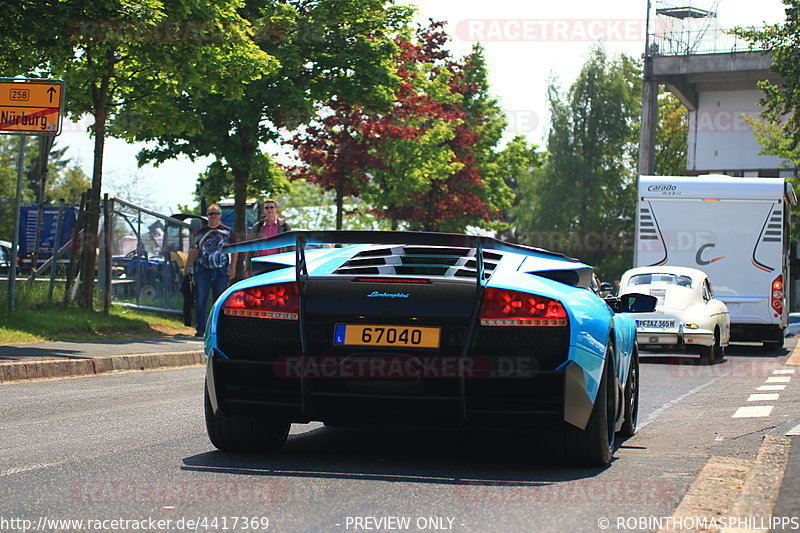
714	74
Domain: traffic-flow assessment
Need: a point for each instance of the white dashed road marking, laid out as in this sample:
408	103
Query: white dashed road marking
781	375
772	387
794	432
779	379
762	397
753	411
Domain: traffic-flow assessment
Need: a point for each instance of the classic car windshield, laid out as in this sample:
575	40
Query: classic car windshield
661	279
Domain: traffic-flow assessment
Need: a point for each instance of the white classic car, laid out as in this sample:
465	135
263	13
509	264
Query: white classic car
687	315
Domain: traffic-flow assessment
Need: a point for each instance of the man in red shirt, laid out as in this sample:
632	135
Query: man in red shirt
267	227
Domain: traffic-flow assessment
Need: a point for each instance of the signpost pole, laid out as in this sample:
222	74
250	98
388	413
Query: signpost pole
12	272
56	248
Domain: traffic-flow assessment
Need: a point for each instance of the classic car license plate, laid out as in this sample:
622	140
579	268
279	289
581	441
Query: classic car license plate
384	335
657	324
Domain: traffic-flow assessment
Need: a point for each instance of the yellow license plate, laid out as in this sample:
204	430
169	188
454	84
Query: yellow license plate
379	335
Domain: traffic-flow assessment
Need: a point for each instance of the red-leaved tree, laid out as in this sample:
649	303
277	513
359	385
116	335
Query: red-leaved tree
417	161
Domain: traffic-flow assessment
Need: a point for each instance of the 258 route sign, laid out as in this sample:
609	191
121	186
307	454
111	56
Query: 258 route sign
31	106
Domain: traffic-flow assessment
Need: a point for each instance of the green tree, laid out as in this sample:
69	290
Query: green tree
323	50
517	164
782	102
774	139
56	164
128	58
309	206
414	148
437	148
587	181
671	134
497	166
68	185
57	173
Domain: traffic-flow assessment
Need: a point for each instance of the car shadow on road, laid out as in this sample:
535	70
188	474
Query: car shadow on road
732	352
464	459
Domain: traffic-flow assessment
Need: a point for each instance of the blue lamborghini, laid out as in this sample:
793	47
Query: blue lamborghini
407	328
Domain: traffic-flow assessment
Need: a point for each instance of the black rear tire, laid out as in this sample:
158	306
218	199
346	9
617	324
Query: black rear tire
631	398
594	446
244	432
773	345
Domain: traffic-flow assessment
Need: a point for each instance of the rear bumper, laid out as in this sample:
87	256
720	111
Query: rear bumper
698	337
659	338
510	377
756	332
513	398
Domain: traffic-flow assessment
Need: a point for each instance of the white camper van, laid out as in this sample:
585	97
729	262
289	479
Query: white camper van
736	230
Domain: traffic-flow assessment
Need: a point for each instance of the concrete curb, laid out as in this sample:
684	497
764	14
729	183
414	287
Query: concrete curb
61	368
794	357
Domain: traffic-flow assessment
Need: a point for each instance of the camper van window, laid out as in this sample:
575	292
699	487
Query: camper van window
661	279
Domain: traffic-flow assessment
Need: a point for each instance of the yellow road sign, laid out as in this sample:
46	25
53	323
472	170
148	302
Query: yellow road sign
31	106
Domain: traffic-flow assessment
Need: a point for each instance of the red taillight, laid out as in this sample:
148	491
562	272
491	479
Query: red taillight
502	307
777	294
281	302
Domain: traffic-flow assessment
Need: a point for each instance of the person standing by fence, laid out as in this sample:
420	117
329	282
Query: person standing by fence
268	226
213	267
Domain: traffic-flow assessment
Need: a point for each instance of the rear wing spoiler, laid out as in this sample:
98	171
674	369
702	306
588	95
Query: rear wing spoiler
300	239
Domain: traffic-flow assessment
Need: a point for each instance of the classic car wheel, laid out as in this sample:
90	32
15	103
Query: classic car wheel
244	433
719	349
631	397
594	445
147	292
706	355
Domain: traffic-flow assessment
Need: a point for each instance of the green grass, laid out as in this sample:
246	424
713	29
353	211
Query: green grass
34	320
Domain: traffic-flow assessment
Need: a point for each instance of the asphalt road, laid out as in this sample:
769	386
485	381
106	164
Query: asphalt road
132	447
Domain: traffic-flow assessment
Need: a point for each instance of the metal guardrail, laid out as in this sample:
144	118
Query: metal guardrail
695	42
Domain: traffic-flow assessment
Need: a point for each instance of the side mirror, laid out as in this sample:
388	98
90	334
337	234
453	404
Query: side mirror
633	303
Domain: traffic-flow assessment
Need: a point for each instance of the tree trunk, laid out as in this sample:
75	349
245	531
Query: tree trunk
89	244
339	207
240	178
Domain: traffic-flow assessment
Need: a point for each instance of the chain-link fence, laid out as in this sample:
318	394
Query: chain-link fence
147	253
